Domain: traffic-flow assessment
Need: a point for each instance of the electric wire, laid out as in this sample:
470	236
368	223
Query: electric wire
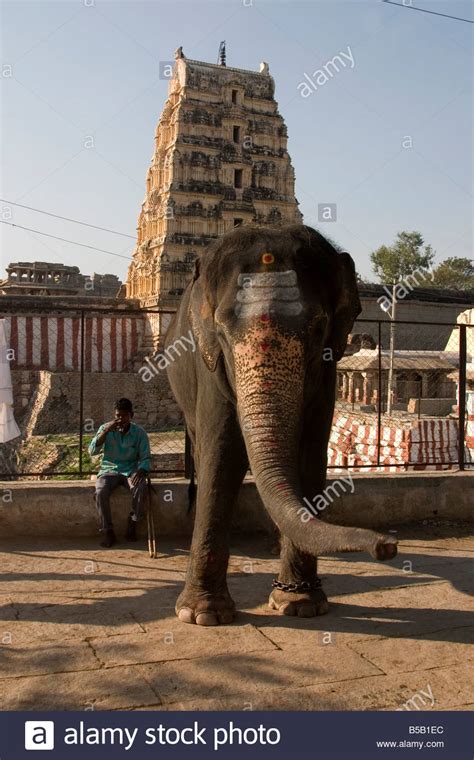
64	240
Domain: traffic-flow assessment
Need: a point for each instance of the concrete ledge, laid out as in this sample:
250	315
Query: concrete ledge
42	508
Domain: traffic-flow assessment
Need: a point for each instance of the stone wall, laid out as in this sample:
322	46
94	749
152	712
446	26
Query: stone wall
412	337
405	443
24	383
67	509
53	400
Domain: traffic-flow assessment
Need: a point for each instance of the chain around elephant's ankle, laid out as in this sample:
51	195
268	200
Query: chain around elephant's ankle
296	588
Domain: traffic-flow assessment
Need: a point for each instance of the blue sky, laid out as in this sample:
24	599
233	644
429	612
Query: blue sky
90	68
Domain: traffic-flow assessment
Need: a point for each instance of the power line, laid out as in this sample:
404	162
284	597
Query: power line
433	13
66	218
55	237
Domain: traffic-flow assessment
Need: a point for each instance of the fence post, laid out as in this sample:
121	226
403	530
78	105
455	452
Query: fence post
81	395
462	394
379	393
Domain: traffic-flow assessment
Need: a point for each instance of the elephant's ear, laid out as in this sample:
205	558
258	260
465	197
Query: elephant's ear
347	305
201	315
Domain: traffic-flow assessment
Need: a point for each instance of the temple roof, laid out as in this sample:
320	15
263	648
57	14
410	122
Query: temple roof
204	64
367	359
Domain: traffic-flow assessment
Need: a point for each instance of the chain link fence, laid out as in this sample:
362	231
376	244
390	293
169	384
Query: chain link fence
397	409
402	409
68	367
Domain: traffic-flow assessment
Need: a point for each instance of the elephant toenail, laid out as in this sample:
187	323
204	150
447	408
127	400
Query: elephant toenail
186	615
207	618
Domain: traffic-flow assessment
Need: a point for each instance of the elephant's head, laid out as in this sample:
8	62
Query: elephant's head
269	306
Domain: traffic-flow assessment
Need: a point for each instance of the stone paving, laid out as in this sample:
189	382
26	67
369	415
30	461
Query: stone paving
83	628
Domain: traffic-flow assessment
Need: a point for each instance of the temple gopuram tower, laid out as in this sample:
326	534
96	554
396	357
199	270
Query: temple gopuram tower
220	160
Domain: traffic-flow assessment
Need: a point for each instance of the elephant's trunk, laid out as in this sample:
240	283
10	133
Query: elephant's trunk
269	373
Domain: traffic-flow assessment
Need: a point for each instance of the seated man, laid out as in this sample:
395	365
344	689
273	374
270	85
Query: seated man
125	461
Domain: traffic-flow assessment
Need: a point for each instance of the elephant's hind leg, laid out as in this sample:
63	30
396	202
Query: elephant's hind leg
298	568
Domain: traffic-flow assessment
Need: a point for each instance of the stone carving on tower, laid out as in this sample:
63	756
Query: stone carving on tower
220	160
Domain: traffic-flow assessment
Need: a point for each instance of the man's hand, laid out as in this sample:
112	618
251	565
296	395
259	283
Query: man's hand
138	476
113	425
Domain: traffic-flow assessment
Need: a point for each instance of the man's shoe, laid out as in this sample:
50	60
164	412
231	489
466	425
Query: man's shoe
131	534
109	540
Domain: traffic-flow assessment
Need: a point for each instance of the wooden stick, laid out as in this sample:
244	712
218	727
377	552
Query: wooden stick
151	526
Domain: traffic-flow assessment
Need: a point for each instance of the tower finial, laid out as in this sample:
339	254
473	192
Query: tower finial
221	56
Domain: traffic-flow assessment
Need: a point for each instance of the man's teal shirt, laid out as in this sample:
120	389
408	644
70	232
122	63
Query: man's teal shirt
125	453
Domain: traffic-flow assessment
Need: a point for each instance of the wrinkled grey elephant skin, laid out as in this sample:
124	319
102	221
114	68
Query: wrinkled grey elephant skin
270	309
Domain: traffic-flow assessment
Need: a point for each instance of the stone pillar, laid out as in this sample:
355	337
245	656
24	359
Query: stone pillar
344	386
367	388
424	385
350	391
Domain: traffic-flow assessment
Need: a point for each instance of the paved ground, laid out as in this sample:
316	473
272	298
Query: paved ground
83	628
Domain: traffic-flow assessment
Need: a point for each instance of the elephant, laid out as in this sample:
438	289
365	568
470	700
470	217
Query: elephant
270	309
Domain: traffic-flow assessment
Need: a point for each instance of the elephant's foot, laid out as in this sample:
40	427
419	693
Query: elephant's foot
307	604
385	548
205	608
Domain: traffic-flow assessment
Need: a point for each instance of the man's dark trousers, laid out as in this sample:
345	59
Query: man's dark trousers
107	483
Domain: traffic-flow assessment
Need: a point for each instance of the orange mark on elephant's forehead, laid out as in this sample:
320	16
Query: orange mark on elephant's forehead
267	258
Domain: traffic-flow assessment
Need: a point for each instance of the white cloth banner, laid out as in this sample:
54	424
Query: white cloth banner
8	427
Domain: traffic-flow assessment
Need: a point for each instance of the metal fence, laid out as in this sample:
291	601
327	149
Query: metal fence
404	397
68	366
398	407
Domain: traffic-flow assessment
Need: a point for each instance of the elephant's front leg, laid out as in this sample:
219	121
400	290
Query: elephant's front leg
296	567
297	590
221	464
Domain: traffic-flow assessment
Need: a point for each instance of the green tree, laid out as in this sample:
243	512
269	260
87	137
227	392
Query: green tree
454	273
407	256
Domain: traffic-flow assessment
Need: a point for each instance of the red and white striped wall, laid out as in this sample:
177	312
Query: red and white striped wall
54	343
403	446
470	421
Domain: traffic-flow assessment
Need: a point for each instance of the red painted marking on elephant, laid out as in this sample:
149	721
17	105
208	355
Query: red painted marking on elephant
265	317
264	346
268	258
